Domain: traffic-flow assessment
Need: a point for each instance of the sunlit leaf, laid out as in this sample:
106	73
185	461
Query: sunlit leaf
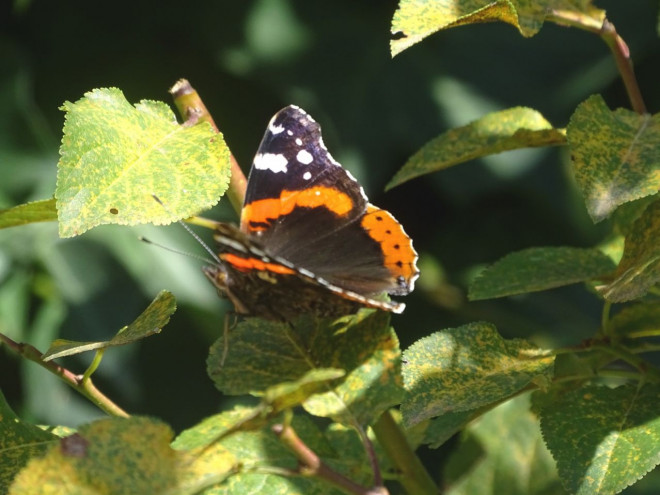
464	368
261	452
36	211
615	155
511	459
19	442
639	268
264	354
417	19
150	322
603	439
537	269
116	156
509	129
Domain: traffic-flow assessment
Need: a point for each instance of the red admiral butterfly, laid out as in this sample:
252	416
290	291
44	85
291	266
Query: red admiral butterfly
309	241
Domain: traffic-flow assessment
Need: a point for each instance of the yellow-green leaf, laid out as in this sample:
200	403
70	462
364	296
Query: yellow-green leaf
507	130
36	211
264	354
19	442
615	155
122	455
537	269
639	268
116	156
150	322
416	19
603	439
464	368
637	320
260	452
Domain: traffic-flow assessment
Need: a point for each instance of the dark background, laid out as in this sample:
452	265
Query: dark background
247	60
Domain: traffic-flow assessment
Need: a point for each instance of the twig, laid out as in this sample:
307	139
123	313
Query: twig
189	104
617	45
84	387
414	477
312	466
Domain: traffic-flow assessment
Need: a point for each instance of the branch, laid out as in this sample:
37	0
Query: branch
84	387
415	478
311	464
192	108
619	49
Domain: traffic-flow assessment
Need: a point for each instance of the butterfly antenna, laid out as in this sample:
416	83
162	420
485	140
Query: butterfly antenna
191	232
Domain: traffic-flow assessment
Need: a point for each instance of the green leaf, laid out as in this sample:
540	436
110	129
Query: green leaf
603	439
637	320
615	155
521	465
115	157
36	211
417	19
639	268
264	354
440	429
536	269
464	368
509	129
259	452
150	322
19	442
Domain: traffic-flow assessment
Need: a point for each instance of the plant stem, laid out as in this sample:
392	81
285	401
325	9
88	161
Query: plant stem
84	387
618	47
415	479
189	103
311	464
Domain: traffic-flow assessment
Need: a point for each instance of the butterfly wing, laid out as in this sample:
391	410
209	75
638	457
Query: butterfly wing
307	209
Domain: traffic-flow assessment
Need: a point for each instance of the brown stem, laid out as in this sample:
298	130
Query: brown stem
617	45
624	64
311	464
85	388
191	106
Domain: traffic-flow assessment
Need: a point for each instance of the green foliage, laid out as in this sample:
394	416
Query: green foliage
624	170
539	269
334	404
115	157
497	132
417	19
603	439
36	211
150	322
465	368
19	442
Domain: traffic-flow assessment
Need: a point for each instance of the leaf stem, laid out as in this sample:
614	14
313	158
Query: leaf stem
414	477
635	361
189	104
98	356
311	464
77	382
616	44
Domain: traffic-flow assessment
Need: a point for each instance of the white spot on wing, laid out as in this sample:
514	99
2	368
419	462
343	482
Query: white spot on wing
289	132
307	175
274	162
275	129
304	157
298	140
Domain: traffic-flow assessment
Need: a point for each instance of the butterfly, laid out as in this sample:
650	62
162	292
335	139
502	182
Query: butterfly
309	242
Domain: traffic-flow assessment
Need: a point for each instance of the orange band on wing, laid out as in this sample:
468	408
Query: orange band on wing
249	264
263	211
397	248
